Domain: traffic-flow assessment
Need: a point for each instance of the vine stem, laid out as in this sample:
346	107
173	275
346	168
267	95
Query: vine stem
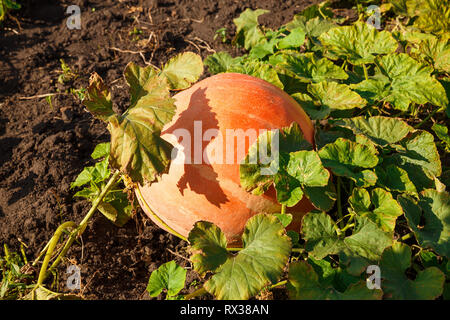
281	283
339	203
196	293
427	118
78	230
366	75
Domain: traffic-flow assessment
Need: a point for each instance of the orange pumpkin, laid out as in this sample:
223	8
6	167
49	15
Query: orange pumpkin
202	183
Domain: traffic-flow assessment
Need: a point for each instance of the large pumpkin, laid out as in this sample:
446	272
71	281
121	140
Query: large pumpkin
199	186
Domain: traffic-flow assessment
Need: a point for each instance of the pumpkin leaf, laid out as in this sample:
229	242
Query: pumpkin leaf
442	133
401	80
349	159
266	249
98	98
208	246
182	70
308	68
258	69
380	207
394	178
221	62
304	284
380	130
169	276
434	208
294	39
427	285
367	241
418	156
262	162
358	43
328	97
248	32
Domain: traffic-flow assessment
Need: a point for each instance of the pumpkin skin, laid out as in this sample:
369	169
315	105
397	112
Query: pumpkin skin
198	190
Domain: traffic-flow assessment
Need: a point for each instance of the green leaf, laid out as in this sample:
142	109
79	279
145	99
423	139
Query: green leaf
289	172
247	27
182	70
256	171
322	198
303	169
328	97
347	158
168	276
220	62
380	130
418	155
427	285
307	68
117	208
358	43
266	249
437	52
379	207
367	240
304	284
98	98
285	218
434	209
313	27
208	246
442	133
294	39
403	80
101	150
394	178
432	16
258	69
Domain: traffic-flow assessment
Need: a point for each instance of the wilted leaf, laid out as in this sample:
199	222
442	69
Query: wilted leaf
98	98
427	285
168	276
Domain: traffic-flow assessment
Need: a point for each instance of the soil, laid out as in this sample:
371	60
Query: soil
43	146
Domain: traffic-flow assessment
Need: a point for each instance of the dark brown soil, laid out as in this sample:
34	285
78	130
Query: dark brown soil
43	147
